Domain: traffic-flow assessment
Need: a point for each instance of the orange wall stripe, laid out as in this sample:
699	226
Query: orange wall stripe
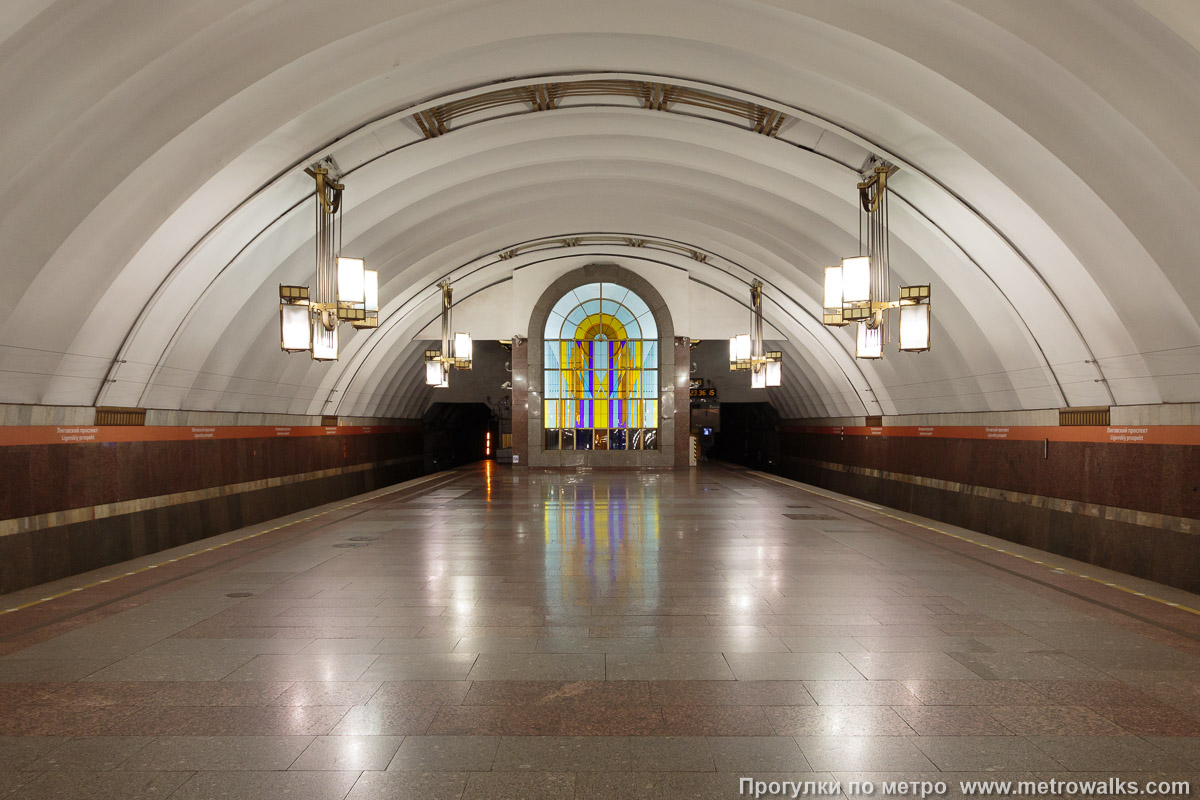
1099	434
78	434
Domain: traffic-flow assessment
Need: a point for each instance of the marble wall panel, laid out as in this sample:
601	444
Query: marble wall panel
42	479
31	558
1161	479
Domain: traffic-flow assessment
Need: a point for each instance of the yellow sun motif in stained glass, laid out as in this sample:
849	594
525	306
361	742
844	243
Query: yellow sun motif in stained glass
601	326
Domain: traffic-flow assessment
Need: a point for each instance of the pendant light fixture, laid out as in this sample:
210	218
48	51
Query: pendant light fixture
456	349
858	291
344	291
746	350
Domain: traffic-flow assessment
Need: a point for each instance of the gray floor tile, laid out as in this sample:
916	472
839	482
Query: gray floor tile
74	785
672	754
723	644
753	754
538	667
584	644
342	646
522	785
497	644
908	666
837	720
327	693
242	785
651	786
823	644
423	785
1107	753
791	666
31	670
94	753
9	781
920	644
419	645
861	693
1182	748
185	647
308	667
348	753
17	751
563	754
984	753
863	753
223	753
668	666
449	753
191	667
258	647
420	667
385	720
1026	666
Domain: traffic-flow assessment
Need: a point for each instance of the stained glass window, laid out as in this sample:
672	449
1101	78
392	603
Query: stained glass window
601	371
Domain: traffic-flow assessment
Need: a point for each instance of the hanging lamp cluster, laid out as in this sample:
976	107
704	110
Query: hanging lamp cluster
746	350
859	290
456	349
345	290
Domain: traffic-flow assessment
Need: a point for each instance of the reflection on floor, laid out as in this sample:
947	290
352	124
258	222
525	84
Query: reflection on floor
492	633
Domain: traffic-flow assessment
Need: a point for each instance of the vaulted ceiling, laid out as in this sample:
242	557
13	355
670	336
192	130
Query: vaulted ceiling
154	149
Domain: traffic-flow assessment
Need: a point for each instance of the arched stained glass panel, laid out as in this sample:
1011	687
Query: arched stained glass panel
601	371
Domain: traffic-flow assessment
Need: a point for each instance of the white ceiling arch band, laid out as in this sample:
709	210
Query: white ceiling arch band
812	291
1071	140
347	138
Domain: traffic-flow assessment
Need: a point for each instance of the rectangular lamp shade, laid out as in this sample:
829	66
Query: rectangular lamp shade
743	346
293	294
351	280
833	287
914	327
856	279
462	346
295	328
758	377
774	373
870	342
732	349
324	343
370	320
435	374
371	289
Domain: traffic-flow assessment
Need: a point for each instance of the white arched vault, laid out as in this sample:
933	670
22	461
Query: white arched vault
1047	182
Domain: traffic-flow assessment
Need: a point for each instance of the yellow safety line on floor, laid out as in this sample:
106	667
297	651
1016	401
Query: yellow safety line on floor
1030	559
94	584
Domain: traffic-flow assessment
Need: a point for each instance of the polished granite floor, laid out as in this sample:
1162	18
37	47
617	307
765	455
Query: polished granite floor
491	633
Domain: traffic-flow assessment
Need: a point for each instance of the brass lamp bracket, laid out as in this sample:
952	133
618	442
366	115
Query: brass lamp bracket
328	191
872	188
